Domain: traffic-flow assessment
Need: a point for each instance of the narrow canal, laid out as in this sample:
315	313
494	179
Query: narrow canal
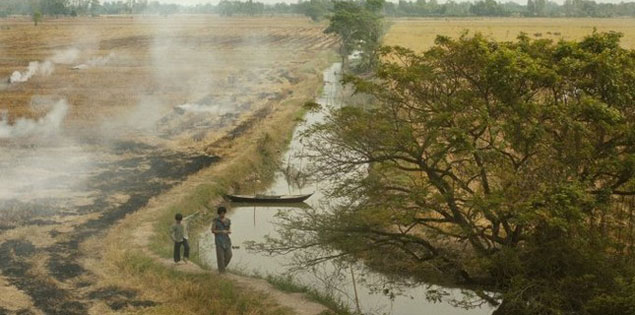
376	294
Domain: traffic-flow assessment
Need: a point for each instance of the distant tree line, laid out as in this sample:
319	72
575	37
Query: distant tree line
84	7
533	8
318	9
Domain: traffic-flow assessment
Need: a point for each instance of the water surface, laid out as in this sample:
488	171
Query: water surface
254	222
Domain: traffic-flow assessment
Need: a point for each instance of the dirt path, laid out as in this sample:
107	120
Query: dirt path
294	301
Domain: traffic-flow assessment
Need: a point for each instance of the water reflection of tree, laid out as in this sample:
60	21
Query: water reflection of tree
295	177
330	268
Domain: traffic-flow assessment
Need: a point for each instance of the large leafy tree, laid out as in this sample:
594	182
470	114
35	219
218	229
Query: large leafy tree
359	28
495	164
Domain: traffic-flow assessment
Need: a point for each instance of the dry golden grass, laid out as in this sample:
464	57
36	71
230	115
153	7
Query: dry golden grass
12	298
162	58
174	291
419	34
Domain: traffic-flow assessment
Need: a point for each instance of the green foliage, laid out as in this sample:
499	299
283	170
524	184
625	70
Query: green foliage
37	17
312	106
315	9
620	301
288	284
497	162
359	28
229	8
56	7
95	8
487	8
578	8
536	8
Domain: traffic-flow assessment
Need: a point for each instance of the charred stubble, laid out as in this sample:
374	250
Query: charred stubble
147	173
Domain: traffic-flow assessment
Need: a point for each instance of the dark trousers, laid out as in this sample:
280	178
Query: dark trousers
223	256
177	250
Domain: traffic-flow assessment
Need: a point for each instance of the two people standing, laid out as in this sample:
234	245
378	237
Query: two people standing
221	228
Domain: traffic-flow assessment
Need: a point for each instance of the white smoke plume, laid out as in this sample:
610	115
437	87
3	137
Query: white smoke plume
44	171
46	126
38	160
211	109
35	67
46	67
140	119
100	61
95	62
65	57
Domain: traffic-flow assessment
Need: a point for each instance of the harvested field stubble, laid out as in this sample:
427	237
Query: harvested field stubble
419	33
127	110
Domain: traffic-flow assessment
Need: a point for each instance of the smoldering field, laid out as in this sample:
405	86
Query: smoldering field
99	115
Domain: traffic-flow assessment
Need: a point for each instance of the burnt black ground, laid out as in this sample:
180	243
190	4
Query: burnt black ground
143	173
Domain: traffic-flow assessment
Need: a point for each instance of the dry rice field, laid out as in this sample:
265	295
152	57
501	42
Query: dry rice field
419	34
100	115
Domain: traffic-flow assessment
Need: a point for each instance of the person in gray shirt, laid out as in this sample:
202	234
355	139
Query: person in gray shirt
221	227
178	233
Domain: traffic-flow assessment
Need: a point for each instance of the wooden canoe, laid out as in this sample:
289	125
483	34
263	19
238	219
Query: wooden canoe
269	198
285	205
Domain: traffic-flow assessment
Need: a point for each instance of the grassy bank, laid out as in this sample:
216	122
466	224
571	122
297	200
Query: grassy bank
184	293
251	148
287	284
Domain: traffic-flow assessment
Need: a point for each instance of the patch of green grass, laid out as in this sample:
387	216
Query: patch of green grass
287	284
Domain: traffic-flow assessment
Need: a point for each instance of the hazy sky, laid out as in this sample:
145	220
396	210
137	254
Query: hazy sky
190	2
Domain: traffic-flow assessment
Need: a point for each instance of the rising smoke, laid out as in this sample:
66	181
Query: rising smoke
216	109
95	62
65	57
37	159
177	66
35	67
182	73
46	67
46	126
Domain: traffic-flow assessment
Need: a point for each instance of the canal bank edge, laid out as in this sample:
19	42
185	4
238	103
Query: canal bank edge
255	145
